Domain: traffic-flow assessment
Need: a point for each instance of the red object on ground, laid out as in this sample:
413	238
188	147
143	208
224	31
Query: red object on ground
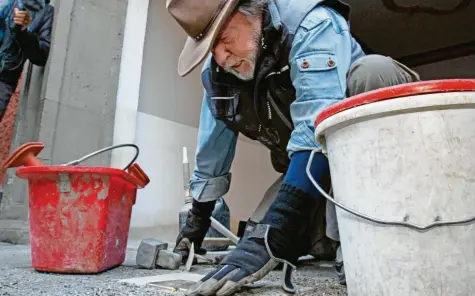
398	91
79	216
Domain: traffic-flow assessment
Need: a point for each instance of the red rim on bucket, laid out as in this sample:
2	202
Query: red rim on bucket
398	91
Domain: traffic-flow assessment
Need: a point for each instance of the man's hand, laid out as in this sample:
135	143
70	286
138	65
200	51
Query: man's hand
195	229
21	18
248	263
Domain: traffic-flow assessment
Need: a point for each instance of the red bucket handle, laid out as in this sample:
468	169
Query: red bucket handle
136	171
25	155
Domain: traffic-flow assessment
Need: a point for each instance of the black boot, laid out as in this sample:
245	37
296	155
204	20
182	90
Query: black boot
195	229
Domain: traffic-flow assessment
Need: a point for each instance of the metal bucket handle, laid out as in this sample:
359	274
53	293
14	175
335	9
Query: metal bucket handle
375	220
78	161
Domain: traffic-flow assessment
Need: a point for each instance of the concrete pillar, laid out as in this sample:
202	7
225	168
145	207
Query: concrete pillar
129	81
75	112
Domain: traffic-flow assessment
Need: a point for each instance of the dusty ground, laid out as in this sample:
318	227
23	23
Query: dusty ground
17	278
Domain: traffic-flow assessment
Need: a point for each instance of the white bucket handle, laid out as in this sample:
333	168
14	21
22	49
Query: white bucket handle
375	220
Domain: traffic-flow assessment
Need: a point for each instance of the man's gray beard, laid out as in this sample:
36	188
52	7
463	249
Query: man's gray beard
251	60
244	76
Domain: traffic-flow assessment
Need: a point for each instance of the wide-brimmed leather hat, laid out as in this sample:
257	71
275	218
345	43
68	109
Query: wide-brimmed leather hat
202	21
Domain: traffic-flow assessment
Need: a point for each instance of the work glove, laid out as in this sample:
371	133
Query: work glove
195	229
277	239
252	260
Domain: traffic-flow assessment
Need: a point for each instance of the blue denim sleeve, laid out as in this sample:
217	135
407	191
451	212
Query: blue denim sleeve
215	152
320	59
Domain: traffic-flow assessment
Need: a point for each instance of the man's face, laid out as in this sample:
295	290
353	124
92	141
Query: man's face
237	45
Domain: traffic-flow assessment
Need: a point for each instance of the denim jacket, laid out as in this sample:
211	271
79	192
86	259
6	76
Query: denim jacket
32	44
321	54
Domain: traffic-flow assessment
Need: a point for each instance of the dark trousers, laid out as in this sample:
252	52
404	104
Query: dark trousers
6	91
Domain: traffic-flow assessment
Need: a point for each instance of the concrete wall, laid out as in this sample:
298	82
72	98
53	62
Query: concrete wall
81	90
7	125
73	113
456	68
167	120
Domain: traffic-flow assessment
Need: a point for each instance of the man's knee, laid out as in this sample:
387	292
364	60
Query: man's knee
371	67
377	71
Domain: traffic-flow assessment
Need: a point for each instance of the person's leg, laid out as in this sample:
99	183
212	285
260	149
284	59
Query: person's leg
367	73
6	92
319	245
375	71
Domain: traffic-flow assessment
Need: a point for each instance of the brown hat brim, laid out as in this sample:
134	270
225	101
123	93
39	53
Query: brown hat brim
194	52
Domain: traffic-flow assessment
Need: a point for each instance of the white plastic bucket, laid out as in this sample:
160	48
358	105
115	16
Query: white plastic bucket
402	163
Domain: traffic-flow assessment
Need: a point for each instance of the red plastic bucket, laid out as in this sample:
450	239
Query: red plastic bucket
80	216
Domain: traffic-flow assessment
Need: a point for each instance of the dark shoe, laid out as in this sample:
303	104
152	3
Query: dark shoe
195	229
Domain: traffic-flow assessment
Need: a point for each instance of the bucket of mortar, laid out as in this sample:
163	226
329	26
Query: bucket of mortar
402	164
79	215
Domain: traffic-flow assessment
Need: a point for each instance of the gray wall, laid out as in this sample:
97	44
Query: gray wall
167	120
72	113
79	103
162	92
456	68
